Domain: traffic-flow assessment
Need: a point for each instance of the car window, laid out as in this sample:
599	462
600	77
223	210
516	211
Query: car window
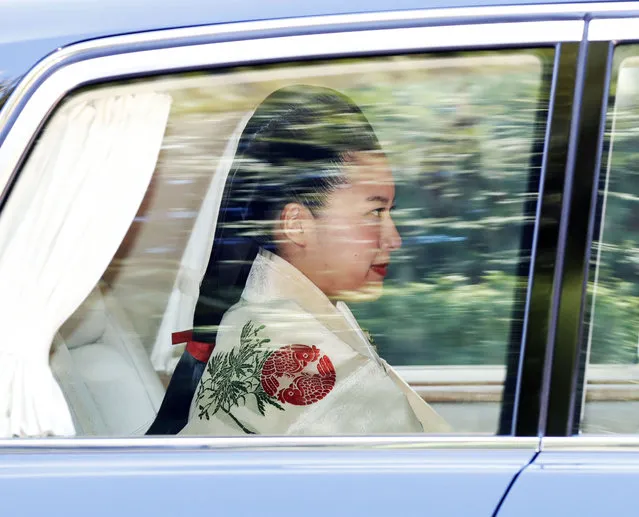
611	314
457	136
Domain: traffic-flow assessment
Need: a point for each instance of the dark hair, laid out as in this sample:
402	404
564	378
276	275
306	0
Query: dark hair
292	149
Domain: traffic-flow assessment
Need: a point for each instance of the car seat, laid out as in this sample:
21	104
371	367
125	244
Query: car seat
104	371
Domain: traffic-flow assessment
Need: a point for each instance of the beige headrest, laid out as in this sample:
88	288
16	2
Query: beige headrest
87	325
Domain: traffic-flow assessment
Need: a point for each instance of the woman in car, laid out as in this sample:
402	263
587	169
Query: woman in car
305	224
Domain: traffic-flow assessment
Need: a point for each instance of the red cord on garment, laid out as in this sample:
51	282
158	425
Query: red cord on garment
201	351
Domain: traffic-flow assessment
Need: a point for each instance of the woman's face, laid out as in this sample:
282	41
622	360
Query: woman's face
354	234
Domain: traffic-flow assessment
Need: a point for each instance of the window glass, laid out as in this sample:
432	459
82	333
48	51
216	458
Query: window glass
611	397
404	186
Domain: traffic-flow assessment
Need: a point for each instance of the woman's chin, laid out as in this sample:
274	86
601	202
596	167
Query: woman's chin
368	293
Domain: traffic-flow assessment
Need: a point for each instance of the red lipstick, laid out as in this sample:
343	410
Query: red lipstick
380	269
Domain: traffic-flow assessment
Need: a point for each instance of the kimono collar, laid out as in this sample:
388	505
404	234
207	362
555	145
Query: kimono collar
273	278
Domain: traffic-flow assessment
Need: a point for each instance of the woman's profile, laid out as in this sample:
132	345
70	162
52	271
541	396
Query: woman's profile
305	225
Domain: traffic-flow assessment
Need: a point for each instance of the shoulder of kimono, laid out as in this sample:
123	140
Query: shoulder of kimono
283	313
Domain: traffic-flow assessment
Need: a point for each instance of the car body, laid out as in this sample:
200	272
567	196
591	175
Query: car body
542	462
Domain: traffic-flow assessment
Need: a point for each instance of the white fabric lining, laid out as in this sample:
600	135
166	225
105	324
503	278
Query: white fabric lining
66	217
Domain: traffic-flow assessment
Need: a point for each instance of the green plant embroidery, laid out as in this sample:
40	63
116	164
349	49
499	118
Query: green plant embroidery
371	339
233	377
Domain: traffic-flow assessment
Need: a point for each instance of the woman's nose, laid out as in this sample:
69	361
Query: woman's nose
391	240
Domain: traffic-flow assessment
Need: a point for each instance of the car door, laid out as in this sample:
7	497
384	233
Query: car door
477	119
589	458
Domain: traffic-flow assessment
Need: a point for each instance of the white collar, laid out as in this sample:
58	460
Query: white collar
273	278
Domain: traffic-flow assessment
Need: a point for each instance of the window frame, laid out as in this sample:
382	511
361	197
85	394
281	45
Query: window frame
568	399
177	50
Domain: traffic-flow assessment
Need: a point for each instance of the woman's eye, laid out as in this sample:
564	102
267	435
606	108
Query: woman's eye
377	212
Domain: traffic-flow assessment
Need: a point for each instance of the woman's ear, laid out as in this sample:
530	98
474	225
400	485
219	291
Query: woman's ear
296	222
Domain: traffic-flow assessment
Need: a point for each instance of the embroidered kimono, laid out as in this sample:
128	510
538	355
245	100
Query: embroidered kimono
288	361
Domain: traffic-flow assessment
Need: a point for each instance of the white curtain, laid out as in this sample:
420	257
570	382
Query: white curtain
70	209
180	308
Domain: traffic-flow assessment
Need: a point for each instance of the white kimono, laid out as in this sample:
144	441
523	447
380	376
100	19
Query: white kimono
288	361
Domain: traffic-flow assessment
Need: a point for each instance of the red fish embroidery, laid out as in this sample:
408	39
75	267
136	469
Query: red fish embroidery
294	362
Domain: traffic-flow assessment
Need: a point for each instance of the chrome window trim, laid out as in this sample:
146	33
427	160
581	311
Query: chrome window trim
614	29
590	444
253	443
60	81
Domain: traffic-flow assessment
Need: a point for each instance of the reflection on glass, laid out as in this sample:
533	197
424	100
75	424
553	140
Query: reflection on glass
459	134
612	314
461	140
615	289
456	137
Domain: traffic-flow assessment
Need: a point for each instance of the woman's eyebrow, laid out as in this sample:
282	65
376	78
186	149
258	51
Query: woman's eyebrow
378	199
